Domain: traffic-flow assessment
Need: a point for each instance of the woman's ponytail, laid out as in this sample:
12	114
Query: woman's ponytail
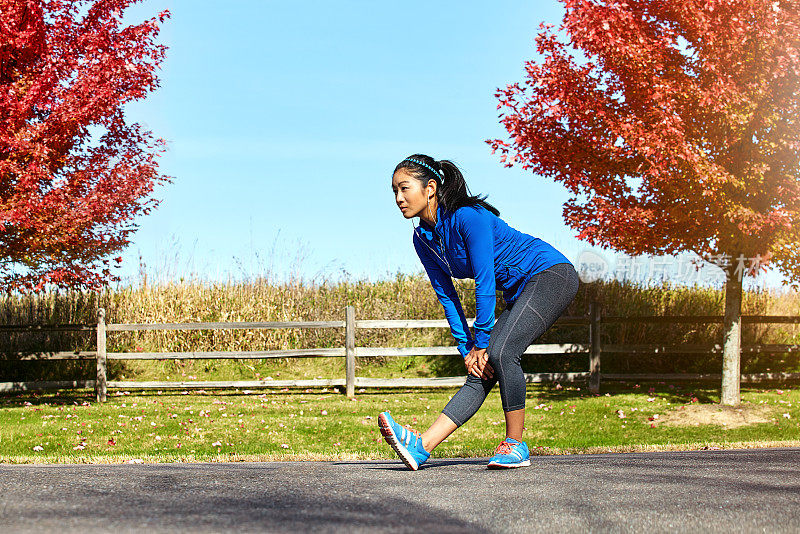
455	193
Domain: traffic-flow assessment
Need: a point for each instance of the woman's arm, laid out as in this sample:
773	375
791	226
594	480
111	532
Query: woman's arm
446	292
476	229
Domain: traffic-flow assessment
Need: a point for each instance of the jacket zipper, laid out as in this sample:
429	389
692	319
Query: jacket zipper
442	249
437	255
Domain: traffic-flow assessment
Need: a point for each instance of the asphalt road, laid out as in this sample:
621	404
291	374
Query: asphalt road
755	490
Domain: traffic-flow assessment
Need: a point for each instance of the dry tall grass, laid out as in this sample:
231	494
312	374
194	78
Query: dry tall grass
406	296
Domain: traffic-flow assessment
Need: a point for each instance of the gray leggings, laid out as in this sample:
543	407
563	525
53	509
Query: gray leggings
543	299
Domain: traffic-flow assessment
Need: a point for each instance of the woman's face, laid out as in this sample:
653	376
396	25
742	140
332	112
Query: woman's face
409	195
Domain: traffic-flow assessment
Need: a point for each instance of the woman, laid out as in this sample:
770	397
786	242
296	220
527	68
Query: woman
462	236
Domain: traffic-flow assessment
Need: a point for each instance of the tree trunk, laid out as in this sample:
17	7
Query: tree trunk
731	351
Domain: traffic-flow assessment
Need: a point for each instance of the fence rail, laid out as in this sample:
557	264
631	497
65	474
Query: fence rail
350	352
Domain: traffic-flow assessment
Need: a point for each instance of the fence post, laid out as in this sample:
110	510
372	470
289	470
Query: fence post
100	384
596	349
350	351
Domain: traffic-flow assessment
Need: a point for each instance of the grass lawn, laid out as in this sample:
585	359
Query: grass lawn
266	425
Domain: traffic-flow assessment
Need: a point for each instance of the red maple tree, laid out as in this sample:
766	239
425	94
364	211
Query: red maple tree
73	172
675	125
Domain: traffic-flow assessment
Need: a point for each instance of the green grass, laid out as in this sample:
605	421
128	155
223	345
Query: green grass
263	425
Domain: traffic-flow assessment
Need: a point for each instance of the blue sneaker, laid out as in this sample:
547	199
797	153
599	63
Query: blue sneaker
510	453
406	443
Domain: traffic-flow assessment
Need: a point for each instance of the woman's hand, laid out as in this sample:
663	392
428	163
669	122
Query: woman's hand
477	362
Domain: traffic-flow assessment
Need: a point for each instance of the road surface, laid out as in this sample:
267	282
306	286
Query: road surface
752	490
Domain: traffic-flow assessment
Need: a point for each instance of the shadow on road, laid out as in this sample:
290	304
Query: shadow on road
252	498
397	465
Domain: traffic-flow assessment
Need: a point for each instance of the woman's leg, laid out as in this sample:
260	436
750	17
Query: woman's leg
438	432
541	303
465	402
515	423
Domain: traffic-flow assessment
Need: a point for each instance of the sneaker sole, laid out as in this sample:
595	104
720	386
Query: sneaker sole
494	465
394	443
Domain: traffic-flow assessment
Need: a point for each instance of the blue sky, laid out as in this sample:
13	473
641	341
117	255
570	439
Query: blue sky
285	120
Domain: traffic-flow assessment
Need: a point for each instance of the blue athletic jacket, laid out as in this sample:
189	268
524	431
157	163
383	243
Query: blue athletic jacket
473	242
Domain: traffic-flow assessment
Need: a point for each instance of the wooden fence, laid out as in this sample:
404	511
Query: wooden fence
593	347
